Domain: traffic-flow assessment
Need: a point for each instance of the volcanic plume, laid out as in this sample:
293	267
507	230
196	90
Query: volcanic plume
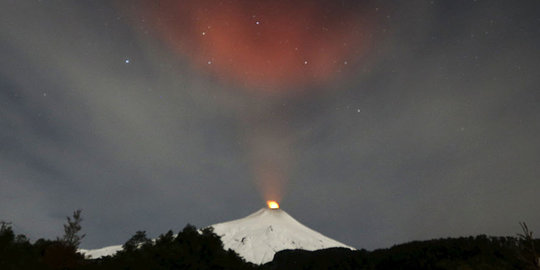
275	45
270	49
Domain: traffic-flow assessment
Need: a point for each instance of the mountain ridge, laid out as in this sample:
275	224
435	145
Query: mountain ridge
257	237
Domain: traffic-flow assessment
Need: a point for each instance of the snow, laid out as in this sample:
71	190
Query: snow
260	235
101	252
257	237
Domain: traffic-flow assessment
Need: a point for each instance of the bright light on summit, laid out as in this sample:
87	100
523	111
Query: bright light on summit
272	204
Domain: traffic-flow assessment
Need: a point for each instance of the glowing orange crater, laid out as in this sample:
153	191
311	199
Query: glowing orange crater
272	204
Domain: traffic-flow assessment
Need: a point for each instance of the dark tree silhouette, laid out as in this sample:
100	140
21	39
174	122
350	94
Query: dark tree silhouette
194	248
526	243
72	229
136	241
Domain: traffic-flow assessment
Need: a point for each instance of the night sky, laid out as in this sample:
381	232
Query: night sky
374	123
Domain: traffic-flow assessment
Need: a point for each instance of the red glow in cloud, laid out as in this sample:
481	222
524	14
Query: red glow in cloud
274	45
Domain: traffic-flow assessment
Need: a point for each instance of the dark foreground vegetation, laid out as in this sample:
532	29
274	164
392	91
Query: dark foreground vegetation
479	252
193	249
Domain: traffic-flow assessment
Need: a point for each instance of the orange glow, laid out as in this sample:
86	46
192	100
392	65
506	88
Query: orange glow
278	44
272	204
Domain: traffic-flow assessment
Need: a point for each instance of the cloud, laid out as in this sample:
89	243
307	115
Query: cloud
435	136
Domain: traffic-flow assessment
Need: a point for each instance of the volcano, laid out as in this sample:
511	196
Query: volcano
257	237
260	235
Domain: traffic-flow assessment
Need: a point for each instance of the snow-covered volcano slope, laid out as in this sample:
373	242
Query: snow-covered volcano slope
260	235
100	252
256	237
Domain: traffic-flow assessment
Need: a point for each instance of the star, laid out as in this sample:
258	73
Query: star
127	61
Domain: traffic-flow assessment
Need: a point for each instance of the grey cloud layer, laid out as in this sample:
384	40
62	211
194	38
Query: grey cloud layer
436	136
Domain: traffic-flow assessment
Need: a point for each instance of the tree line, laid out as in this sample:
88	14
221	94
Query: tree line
192	248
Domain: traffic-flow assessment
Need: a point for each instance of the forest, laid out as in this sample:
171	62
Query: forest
192	248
